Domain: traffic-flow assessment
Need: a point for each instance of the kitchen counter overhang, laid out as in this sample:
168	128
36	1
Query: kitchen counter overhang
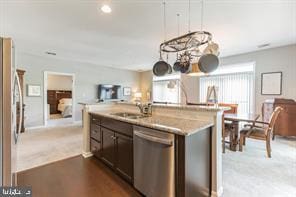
178	126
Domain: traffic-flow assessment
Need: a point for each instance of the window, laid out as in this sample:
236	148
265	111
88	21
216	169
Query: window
233	87
163	94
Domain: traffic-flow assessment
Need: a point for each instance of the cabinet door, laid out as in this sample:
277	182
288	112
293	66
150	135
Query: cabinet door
124	156
108	146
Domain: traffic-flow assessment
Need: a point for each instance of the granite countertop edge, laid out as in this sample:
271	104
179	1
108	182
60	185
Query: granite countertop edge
165	128
182	107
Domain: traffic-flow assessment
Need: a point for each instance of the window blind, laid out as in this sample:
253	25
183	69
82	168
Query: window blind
235	88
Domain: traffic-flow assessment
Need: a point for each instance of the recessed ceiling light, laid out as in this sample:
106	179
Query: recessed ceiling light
263	45
50	53
106	8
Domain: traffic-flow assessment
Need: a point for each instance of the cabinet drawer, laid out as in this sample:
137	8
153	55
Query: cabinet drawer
95	132
95	147
118	126
95	120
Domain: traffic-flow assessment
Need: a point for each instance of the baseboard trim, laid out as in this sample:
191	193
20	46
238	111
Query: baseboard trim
36	127
79	122
87	154
217	194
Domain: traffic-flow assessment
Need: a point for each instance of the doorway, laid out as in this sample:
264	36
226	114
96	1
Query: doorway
59	105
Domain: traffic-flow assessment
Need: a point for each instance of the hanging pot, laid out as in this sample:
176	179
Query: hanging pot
185	59
177	66
185	67
212	48
208	63
161	68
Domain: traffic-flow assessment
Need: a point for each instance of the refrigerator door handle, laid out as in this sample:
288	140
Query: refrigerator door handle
18	130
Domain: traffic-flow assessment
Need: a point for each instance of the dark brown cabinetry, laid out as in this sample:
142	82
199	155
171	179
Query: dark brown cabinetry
115	141
285	124
124	152
108	147
95	147
95	132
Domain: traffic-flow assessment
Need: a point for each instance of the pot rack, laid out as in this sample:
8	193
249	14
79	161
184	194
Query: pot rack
188	47
188	42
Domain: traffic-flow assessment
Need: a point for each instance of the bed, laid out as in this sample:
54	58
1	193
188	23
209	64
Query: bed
65	107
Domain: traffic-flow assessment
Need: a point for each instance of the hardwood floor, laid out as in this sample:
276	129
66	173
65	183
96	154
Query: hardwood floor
74	177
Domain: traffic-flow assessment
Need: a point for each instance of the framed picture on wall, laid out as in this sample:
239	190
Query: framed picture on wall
127	91
271	83
33	90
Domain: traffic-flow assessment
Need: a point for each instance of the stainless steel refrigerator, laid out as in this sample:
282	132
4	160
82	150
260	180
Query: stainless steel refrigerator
10	98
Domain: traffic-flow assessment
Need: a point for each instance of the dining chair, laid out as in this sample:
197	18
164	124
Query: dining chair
226	132
227	127
260	132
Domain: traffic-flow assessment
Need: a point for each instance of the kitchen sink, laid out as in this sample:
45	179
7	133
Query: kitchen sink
129	115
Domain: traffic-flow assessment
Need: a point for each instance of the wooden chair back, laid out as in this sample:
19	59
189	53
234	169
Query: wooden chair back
233	108
273	118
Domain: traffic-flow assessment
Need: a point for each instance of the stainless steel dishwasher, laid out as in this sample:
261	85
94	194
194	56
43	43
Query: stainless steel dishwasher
154	162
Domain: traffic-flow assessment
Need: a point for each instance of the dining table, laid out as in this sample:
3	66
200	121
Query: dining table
235	119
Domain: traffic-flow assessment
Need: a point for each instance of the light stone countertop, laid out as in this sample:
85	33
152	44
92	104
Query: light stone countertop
182	107
179	126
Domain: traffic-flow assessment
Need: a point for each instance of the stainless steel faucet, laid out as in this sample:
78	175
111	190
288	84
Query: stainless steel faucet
145	109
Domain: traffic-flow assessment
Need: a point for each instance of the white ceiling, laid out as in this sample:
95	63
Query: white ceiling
129	37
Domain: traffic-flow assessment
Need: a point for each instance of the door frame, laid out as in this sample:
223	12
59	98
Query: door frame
45	111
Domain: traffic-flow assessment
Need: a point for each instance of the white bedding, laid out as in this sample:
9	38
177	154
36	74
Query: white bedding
65	106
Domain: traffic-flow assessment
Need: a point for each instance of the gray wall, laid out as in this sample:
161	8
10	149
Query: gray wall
270	60
88	76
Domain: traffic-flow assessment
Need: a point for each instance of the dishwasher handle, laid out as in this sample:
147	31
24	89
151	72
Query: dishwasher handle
151	138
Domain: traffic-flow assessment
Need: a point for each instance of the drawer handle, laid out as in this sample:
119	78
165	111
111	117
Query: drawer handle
95	148
95	131
113	137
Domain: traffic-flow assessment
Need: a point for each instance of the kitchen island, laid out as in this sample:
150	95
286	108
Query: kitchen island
172	153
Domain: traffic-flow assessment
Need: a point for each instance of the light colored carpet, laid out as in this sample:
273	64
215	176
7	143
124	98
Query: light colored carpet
40	146
251	173
55	116
59	122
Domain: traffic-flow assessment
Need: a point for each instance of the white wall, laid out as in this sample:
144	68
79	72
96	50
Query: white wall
59	82
191	85
87	77
270	60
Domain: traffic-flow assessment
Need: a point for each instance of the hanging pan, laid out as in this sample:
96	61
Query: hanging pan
208	63
161	67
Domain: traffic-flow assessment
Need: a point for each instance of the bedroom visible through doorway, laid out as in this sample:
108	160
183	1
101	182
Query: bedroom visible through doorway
58	96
